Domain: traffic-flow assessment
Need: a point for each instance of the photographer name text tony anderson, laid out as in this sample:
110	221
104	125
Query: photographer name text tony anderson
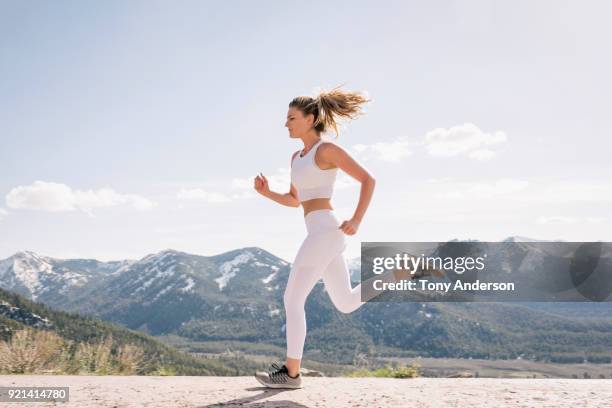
443	286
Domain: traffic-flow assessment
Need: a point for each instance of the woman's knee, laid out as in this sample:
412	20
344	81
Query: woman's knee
292	302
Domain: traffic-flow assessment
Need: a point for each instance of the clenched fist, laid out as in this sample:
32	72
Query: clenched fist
260	183
350	227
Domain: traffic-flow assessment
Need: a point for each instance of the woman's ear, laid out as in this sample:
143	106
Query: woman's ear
310	119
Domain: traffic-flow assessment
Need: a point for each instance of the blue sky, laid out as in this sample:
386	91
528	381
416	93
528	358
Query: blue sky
129	127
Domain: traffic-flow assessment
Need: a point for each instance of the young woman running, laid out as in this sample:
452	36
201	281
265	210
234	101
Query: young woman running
313	172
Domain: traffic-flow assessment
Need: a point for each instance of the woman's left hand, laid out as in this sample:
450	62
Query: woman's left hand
350	227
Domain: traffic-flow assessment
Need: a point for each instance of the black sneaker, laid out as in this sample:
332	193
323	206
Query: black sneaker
278	377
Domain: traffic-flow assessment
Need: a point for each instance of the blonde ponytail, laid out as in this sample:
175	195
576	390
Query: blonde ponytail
328	107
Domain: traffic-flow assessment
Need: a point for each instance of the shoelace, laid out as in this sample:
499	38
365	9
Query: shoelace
280	374
275	367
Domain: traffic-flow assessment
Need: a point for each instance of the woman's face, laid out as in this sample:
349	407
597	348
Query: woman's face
297	123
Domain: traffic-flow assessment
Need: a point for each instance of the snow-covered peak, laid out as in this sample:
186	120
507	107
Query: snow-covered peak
229	268
38	276
30	256
159	257
28	268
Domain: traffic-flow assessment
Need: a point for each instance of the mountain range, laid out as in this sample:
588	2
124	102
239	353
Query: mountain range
237	296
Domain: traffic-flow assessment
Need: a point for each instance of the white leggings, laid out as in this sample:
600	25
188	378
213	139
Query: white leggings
320	256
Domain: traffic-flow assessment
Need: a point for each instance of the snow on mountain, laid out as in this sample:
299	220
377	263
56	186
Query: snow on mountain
18	314
248	264
228	269
174	276
29	270
268	278
41	277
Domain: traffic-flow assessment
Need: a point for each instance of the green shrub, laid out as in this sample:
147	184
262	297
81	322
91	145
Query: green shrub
388	371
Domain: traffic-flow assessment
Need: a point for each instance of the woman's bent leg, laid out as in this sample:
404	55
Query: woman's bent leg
337	281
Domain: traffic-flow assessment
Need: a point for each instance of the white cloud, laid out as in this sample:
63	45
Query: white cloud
49	196
241	188
385	151
464	139
482	154
3	213
278	181
243	195
198	194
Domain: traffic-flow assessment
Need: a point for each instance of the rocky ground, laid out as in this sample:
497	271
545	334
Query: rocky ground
145	391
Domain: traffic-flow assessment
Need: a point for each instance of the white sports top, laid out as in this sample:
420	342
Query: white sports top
309	180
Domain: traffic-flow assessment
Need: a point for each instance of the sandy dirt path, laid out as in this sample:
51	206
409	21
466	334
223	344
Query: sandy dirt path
143	391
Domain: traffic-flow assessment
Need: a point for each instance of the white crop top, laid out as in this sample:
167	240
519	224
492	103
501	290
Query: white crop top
309	180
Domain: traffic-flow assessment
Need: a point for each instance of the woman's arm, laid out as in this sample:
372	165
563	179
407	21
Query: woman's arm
289	199
337	156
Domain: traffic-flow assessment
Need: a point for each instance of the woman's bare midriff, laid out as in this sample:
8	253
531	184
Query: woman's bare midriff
316	204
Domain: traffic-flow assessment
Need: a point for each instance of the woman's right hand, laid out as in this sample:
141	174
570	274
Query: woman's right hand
261	184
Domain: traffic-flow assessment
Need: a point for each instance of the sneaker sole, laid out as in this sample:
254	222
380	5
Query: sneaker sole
272	385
